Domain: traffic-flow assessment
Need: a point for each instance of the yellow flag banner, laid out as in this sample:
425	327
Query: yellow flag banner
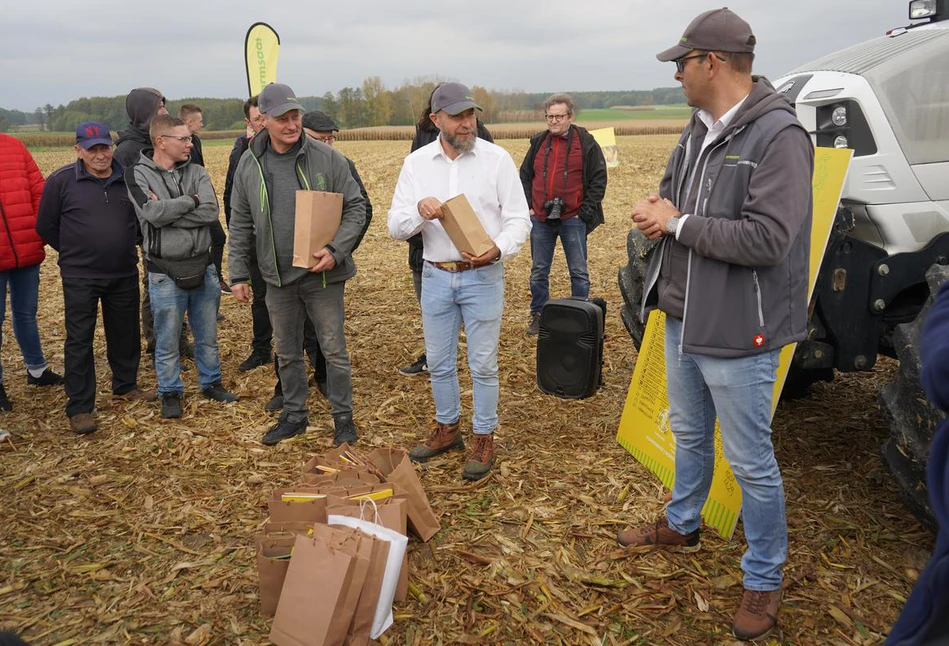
606	137
261	49
644	427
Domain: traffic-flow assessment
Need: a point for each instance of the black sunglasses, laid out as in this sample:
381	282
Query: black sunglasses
680	62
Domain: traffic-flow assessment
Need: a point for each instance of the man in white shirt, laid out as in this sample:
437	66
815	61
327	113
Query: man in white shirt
459	288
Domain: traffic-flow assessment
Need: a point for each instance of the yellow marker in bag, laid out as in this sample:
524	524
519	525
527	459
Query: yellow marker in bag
300	496
375	495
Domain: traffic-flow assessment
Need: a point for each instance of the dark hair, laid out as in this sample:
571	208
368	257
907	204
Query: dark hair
424	123
740	62
187	110
251	102
163	123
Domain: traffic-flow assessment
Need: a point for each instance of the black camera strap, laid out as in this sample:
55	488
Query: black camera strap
566	164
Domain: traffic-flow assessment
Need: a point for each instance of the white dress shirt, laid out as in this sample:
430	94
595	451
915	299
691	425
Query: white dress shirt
715	128
487	177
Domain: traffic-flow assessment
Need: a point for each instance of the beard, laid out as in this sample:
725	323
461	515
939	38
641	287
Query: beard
460	145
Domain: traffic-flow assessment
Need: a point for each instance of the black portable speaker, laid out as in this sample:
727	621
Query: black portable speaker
570	347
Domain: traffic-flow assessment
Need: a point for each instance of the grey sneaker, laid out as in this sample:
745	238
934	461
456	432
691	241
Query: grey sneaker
420	367
345	430
533	328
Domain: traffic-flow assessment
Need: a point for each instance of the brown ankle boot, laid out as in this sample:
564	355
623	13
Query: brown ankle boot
444	437
481	459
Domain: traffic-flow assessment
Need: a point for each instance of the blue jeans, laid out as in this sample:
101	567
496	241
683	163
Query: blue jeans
475	298
24	293
573	238
740	391
169	304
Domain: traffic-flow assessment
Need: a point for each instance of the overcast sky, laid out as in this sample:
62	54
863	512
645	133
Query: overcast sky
56	51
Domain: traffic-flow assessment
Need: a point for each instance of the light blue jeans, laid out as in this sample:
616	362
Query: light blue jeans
740	391
24	284
475	298
573	238
169	304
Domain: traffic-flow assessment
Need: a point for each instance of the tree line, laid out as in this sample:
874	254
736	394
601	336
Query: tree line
370	104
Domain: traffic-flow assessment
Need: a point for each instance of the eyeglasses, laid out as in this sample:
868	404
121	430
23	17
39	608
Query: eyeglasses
557	118
178	137
680	62
326	140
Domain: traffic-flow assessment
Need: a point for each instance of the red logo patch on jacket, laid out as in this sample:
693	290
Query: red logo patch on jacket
759	340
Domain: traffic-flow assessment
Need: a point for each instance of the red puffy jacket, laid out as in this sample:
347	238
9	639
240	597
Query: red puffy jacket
21	186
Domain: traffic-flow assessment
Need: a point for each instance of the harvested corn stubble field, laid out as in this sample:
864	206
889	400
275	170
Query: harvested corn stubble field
142	532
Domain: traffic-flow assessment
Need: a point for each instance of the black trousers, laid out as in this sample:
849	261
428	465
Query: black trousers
81	298
262	329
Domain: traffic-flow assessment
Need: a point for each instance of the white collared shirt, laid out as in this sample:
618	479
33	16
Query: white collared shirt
487	177
715	128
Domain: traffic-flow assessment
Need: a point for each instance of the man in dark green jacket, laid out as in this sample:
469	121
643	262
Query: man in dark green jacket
280	161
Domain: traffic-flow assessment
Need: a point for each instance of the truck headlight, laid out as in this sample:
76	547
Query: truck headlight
920	9
841	142
839	116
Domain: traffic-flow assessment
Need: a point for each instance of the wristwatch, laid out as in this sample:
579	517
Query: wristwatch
672	224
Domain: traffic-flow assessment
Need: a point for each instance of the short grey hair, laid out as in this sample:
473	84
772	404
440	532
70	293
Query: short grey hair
561	97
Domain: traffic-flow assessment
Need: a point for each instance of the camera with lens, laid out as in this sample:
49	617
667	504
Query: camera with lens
554	208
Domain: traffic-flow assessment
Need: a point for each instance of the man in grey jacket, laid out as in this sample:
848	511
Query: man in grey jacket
280	161
176	204
733	217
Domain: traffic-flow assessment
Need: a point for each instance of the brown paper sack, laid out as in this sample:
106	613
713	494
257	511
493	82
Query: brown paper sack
393	514
323	583
345	478
318	215
361	625
398	469
464	228
272	570
311	511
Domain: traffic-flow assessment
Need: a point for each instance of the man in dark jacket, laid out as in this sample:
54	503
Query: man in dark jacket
85	214
564	188
260	350
280	161
925	617
426	133
142	105
176	205
730	274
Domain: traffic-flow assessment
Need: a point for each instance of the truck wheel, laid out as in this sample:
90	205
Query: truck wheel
632	279
912	420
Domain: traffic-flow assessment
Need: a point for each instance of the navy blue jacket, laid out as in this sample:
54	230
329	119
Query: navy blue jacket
923	620
91	223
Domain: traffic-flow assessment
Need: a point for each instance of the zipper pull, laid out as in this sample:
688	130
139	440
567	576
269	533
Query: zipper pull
105	192
708	184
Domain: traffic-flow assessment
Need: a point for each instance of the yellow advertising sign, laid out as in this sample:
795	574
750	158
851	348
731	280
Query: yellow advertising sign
261	49
644	427
606	137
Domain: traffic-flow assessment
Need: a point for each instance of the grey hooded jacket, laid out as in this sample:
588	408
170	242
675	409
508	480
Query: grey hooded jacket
319	168
738	274
177	224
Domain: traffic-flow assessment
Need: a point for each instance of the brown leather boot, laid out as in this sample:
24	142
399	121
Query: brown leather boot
444	437
758	614
481	459
659	536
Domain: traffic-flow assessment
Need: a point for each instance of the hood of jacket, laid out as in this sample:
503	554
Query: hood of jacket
761	100
141	105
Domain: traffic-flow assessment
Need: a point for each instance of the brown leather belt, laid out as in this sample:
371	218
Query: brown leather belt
453	267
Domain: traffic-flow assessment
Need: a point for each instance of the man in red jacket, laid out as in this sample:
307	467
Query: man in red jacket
21	252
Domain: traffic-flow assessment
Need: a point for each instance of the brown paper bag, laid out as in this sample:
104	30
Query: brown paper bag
359	545
313	602
289	527
317	218
464	228
312	511
397	468
272	569
361	625
344	478
393	514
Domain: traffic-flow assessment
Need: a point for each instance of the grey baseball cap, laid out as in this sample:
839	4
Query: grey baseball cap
277	99
718	30
453	98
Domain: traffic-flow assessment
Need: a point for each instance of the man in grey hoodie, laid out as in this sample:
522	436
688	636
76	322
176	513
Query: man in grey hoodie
280	161
176	205
733	216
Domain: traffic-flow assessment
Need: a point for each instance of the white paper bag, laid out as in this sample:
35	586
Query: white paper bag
397	546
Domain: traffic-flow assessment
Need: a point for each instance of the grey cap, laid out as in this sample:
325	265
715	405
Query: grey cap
718	30
319	122
453	98
277	99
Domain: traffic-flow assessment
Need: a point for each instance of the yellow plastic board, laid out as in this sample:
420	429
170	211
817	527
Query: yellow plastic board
644	427
606	137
